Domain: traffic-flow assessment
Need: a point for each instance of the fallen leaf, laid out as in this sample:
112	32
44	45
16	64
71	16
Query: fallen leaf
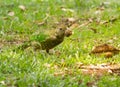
110	20
98	12
91	84
74	26
71	19
100	69
55	67
67	10
41	23
22	7
2	82
79	64
108	54
115	71
59	74
105	49
47	65
84	24
90	20
11	13
68	22
93	72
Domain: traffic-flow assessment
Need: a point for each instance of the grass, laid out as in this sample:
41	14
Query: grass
37	69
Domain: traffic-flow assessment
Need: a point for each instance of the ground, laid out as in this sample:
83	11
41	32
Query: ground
22	20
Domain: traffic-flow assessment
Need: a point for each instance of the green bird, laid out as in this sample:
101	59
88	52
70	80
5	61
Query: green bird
50	42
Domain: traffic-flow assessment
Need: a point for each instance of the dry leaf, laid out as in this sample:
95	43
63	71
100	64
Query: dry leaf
67	10
79	64
74	25
105	49
71	20
47	65
93	72
115	71
84	24
91	84
41	23
64	72
108	21
59	74
68	22
2	82
98	12
22	7
90	20
100	69
55	67
11	13
108	54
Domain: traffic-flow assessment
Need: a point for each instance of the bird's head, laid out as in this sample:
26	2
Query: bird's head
64	31
60	32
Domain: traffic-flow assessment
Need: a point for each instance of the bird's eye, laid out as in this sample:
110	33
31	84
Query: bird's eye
60	28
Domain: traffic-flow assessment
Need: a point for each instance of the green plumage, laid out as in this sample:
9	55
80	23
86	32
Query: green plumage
48	43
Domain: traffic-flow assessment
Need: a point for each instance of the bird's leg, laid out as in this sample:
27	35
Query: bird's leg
47	50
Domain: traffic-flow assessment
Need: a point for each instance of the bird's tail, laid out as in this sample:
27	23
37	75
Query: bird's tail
23	46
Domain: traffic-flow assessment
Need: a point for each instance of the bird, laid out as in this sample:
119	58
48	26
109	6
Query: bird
49	43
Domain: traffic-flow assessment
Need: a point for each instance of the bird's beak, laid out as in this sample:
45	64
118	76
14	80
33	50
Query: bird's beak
68	32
